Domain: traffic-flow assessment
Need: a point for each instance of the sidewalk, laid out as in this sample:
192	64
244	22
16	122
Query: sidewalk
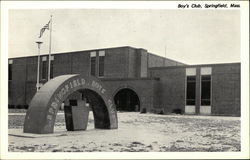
20	114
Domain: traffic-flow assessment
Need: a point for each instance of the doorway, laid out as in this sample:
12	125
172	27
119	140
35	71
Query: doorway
127	100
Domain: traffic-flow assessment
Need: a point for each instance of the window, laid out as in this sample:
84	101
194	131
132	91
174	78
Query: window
51	66
190	86
101	63
10	69
206	90
206	86
190	71
92	63
190	90
44	67
206	71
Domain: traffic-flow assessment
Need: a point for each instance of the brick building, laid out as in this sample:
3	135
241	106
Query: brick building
138	80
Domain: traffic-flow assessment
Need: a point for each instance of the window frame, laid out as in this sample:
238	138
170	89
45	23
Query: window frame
93	55
44	68
186	91
206	71
190	72
51	66
101	55
10	70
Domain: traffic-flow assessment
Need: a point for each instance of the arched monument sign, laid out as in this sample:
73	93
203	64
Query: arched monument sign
41	115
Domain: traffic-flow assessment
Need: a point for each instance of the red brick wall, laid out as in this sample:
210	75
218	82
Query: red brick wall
116	61
81	63
123	63
226	89
171	88
158	61
132	63
144	88
17	84
225	98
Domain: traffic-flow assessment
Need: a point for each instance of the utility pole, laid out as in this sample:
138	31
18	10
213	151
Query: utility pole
38	65
50	28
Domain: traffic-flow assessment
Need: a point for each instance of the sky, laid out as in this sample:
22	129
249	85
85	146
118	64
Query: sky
188	36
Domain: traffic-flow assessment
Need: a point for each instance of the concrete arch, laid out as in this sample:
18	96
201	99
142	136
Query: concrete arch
41	115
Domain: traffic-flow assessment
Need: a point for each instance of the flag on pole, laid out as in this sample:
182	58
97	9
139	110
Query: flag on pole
43	29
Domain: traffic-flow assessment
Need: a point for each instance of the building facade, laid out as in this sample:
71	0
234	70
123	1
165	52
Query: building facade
137	79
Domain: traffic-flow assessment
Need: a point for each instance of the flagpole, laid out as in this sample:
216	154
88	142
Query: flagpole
50	47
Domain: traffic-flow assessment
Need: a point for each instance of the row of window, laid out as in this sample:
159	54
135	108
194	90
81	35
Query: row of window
44	66
96	65
205	86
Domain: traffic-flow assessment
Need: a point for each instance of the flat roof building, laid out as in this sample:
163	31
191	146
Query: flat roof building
137	79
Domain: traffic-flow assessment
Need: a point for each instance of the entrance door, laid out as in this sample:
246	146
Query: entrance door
127	100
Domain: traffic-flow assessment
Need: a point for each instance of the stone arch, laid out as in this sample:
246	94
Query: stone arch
131	89
41	115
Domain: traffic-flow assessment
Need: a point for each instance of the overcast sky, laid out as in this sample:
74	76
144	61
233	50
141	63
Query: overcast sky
189	36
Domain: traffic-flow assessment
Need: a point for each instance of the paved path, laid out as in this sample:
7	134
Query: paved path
20	114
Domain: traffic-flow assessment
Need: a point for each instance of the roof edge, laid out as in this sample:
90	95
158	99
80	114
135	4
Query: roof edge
196	65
